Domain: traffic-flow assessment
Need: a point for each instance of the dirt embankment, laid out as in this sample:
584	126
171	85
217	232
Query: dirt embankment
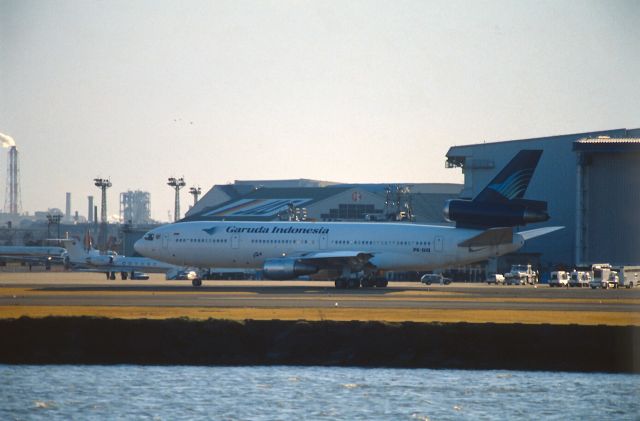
87	340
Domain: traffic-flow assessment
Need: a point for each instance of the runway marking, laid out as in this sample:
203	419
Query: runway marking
331	295
88	291
337	314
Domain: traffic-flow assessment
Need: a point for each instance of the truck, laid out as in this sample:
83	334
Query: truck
580	278
629	276
559	278
521	275
600	274
495	278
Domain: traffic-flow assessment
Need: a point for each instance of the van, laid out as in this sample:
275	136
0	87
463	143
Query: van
559	279
579	278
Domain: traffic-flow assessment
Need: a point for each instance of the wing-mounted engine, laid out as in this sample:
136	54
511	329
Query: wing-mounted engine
287	268
475	214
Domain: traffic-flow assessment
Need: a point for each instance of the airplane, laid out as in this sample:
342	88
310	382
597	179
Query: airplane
91	260
32	254
356	254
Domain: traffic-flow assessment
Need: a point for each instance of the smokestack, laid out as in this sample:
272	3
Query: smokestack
67	209
12	198
90	212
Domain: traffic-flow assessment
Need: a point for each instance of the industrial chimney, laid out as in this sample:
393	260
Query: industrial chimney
90	210
67	209
12	198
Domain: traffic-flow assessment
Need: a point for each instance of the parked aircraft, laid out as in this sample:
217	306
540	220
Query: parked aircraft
355	254
32	254
91	260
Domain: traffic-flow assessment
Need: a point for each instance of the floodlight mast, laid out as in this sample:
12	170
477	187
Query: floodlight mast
195	191
177	184
103	184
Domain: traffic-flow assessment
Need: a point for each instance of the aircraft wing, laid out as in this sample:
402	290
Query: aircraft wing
356	260
490	237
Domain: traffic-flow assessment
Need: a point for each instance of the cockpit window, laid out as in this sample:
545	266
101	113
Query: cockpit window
148	237
157	236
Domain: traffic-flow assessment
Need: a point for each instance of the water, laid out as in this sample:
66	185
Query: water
312	393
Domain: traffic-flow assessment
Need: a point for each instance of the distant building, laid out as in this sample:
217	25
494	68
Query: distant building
135	207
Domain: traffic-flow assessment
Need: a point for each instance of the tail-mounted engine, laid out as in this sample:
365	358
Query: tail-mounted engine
475	214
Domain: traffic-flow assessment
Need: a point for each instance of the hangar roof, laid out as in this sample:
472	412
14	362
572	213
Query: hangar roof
461	156
265	203
603	144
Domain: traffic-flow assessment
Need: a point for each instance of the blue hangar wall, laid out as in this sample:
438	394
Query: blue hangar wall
556	181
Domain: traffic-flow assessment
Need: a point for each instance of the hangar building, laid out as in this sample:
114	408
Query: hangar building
591	182
268	200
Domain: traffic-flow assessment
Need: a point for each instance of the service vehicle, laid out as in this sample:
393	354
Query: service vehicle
559	278
613	281
579	279
521	275
629	276
600	273
495	278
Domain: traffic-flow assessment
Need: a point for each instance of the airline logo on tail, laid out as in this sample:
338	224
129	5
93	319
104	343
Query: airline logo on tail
515	186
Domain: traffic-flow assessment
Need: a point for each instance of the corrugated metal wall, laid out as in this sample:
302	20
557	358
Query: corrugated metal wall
613	203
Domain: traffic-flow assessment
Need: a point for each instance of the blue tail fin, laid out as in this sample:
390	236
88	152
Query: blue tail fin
501	203
512	182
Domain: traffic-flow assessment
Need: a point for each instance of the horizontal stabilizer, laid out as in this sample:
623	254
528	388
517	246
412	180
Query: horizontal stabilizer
490	237
527	235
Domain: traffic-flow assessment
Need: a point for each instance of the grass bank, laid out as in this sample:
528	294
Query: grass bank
96	340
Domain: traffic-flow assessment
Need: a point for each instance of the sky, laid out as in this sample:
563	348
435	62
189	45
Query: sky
346	91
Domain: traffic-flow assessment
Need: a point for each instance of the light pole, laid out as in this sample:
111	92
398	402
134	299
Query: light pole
103	184
195	191
177	184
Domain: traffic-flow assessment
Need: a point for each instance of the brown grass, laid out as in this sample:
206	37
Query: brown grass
337	314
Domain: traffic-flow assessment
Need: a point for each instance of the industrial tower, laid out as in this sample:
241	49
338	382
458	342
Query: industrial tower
177	184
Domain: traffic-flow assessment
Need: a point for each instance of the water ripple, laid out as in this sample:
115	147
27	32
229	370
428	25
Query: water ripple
313	393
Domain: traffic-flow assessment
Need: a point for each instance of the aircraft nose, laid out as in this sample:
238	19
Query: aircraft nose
139	246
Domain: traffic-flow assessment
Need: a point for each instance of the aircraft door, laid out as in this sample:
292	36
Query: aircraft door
438	244
235	241
165	241
323	241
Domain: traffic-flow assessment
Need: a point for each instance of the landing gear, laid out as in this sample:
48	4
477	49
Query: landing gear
112	276
197	282
124	275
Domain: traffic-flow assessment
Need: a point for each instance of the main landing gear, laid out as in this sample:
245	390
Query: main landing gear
364	282
196	282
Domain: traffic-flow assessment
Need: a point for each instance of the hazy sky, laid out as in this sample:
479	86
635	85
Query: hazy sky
351	91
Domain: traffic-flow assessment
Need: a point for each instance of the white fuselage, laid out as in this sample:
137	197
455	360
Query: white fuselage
394	246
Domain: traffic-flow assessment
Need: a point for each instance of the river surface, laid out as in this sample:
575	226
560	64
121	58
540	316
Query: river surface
313	393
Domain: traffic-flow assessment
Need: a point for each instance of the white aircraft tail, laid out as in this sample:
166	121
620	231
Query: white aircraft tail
75	250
